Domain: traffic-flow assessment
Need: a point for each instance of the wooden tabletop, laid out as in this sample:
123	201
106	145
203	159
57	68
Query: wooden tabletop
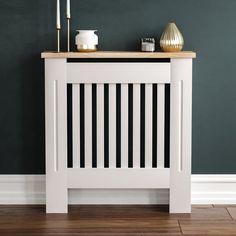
112	54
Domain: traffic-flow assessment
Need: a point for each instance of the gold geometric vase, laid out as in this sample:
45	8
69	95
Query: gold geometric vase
171	39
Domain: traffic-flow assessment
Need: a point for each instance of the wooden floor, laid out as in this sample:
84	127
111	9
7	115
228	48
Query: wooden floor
117	221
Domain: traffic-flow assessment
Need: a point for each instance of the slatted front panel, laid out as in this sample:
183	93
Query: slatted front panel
118	114
126	121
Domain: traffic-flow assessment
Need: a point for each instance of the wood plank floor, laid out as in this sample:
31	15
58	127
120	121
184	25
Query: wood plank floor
104	220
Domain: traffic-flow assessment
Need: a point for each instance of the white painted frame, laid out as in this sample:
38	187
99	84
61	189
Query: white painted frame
180	135
59	178
56	135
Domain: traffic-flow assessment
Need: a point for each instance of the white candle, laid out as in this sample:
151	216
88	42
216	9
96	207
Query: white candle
68	9
58	15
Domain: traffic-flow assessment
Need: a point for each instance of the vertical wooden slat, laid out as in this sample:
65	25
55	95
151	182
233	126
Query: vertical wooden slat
124	125
136	125
100	125
88	124
160	124
112	125
76	124
148	125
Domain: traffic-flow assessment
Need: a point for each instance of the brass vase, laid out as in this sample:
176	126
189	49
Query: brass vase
171	39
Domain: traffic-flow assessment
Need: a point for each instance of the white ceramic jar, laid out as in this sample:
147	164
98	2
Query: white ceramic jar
86	40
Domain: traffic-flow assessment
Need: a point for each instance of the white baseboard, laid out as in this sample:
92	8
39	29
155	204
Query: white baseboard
30	189
214	189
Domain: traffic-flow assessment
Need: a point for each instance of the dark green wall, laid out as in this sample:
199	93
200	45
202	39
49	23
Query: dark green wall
27	27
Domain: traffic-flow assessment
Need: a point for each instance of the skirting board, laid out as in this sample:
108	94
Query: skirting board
30	189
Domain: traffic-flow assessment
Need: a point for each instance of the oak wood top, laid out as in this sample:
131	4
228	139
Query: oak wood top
113	54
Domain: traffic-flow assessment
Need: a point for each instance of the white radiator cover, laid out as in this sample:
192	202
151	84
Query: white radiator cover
30	189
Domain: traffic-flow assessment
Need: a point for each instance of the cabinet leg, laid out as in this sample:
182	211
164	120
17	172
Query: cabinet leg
56	135
180	135
56	197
